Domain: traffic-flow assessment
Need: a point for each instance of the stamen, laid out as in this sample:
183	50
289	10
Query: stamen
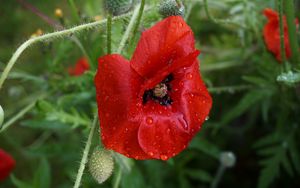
160	90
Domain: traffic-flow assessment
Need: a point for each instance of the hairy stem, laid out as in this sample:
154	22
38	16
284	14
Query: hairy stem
20	114
108	29
219	21
139	18
49	37
86	151
293	39
129	29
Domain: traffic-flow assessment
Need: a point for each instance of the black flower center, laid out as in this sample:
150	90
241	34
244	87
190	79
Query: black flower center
160	93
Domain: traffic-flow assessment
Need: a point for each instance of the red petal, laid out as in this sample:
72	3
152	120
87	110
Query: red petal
167	40
7	163
117	88
80	67
271	34
166	131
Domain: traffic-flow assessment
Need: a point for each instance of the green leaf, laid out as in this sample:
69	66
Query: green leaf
267	140
205	146
199	174
295	156
42	176
19	183
250	99
256	80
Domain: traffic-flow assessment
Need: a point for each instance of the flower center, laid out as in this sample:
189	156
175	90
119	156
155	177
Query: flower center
160	93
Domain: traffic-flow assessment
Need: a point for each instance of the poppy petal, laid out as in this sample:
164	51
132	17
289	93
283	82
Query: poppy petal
167	40
166	131
116	87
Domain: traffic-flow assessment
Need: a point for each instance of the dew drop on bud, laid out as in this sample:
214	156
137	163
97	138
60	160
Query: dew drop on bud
1	116
101	164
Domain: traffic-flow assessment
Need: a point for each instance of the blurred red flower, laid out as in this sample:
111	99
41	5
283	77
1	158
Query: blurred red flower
7	163
152	106
271	34
80	67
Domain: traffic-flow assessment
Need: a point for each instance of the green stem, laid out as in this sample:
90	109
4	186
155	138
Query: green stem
188	11
118	179
129	29
139	18
74	10
48	37
218	176
281	27
19	115
293	39
108	29
86	151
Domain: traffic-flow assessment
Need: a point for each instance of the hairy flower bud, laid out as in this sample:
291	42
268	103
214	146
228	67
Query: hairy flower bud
171	8
117	7
101	164
227	159
1	115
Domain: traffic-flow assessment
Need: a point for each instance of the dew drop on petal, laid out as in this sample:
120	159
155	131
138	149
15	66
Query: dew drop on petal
207	118
163	157
189	76
151	153
149	120
168	130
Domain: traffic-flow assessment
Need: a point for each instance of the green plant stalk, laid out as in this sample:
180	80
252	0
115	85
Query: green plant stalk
129	29
74	10
229	89
50	37
108	30
281	28
218	176
19	115
292	30
86	151
118	179
139	18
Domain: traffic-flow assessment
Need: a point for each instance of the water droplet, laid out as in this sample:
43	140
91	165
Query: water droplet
163	157
192	95
189	76
168	130
149	120
107	114
126	129
138	104
207	118
114	128
160	112
151	153
181	83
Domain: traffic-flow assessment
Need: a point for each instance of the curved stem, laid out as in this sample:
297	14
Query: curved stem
218	176
86	151
20	114
129	29
49	37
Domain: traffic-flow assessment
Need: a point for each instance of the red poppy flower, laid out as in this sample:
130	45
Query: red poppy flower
7	163
152	106
80	67
272	34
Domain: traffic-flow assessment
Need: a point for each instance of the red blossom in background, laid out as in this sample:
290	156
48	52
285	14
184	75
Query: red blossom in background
271	34
152	106
80	67
7	163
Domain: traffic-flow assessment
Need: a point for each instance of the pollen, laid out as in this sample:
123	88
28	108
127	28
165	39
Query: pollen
160	90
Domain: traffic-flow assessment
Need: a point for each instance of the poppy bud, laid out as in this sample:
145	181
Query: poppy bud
171	8
1	115
101	164
117	7
58	13
227	159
